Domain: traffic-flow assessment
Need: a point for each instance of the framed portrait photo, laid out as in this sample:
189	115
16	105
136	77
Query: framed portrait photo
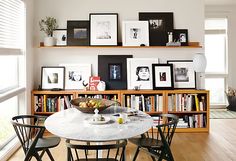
135	33
140	72
52	77
184	74
181	35
61	37
78	33
162	76
104	29
76	75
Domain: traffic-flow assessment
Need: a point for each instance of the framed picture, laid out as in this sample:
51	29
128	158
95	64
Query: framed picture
78	33
112	69
52	77
183	73
140	72
61	36
77	75
104	28
162	76
181	35
135	33
160	23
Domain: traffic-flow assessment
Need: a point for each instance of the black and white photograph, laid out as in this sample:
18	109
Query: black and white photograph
80	33
52	77
143	73
181	35
104	28
115	71
183	73
61	36
156	24
75	76
135	33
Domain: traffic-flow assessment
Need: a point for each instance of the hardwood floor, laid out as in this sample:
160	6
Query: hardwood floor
217	145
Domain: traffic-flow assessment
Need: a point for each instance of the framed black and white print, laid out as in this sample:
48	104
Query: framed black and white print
52	77
104	29
61	37
162	76
78	33
181	35
184	74
160	23
112	69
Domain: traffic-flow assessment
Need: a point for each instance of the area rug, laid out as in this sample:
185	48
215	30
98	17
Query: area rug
222	114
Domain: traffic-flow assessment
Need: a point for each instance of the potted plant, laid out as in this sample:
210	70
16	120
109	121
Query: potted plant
48	25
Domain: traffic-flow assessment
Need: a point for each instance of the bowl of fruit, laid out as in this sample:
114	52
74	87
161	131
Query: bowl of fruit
88	105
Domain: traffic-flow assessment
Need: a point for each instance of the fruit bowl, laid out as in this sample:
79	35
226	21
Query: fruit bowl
88	105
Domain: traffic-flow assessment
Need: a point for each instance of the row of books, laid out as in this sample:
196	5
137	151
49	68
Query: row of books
101	96
193	121
186	102
42	103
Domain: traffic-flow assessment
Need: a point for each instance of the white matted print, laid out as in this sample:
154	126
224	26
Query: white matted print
139	72
77	75
135	33
61	37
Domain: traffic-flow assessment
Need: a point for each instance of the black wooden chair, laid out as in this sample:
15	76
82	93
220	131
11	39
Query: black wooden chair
157	141
30	134
109	151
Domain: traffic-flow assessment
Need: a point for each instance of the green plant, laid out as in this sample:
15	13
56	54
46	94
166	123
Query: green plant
48	25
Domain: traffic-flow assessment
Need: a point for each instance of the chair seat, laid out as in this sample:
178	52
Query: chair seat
49	142
147	142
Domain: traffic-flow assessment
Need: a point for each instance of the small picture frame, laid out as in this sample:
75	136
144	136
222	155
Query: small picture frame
115	71
162	76
52	77
183	74
61	37
135	33
104	29
181	35
78	33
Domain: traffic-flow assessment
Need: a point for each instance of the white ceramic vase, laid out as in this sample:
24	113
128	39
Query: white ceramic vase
101	86
49	41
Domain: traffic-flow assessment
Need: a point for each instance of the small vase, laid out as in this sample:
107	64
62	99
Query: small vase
49	41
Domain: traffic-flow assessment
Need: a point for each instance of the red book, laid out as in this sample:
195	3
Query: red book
93	82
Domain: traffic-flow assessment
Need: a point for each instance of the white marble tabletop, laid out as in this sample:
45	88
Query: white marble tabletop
72	124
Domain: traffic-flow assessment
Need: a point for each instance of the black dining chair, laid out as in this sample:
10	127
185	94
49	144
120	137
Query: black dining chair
157	141
30	134
109	151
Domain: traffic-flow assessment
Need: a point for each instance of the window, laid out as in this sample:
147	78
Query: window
216	54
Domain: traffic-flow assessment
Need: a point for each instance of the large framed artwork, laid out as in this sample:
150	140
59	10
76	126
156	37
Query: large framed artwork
52	77
61	37
140	72
104	29
160	23
135	33
78	33
181	35
112	69
184	74
162	76
76	75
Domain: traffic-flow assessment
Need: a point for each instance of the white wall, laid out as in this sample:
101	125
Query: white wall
188	16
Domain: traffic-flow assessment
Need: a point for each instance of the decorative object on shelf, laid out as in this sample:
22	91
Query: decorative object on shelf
162	76
61	36
104	28
93	82
47	25
183	73
112	69
160	23
135	33
101	86
52	77
181	35
78	33
76	75
140	72
199	65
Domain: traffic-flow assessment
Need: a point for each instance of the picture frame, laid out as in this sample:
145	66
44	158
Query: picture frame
160	23
76	75
181	35
104	29
78	33
61	36
135	33
140	72
113	70
52	77
183	74
162	76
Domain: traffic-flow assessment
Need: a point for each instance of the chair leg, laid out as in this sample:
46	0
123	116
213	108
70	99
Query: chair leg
49	154
136	154
42	153
153	158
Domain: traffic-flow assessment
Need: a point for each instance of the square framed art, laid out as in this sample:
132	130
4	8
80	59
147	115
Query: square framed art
104	29
184	74
61	37
181	35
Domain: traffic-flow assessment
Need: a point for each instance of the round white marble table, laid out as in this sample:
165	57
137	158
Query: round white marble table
72	124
